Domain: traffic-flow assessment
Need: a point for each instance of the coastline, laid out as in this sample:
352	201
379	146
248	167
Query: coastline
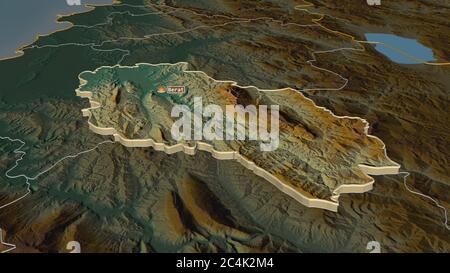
18	52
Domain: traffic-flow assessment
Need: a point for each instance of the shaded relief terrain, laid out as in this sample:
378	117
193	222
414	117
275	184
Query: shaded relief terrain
116	198
316	154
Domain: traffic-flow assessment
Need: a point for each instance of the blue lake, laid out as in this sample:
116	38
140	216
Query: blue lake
401	50
22	20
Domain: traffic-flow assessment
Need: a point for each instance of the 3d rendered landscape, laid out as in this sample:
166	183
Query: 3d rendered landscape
362	150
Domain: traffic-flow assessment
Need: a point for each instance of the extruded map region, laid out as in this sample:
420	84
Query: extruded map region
319	155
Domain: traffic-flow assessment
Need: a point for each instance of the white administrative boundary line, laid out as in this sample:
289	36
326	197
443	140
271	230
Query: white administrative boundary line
444	209
174	9
331	205
16	163
362	49
127	52
360	43
32	178
11	246
19	51
239	19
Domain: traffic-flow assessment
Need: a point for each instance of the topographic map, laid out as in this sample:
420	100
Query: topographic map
226	126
